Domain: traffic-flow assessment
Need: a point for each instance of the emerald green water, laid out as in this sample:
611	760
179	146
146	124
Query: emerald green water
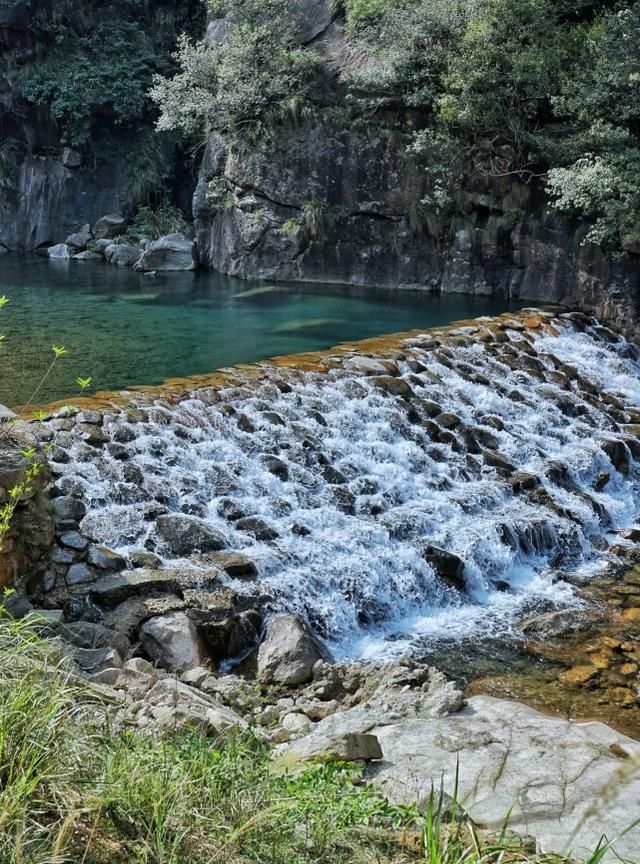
124	329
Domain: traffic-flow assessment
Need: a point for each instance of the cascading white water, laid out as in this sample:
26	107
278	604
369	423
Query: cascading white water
354	480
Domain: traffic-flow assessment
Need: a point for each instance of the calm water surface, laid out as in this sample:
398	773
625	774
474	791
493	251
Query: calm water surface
123	328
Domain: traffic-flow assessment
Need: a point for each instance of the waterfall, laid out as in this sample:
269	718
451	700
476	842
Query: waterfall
440	492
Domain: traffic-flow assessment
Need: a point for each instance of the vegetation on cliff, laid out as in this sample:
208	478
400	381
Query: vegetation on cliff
528	89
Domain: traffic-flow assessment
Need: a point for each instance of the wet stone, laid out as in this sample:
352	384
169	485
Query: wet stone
62	556
69	509
274	418
187	534
257	527
74	540
123	434
276	467
105	559
393	386
244	424
91	417
92	435
235	564
449	568
80	574
139	558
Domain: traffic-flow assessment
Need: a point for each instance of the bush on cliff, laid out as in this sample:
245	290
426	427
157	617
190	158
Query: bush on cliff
259	75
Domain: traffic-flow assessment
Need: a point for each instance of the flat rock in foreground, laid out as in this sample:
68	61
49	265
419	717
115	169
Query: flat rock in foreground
568	783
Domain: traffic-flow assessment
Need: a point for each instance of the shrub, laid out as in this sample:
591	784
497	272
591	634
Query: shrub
258	76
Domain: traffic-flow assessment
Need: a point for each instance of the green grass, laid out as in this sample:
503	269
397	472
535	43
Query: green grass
74	792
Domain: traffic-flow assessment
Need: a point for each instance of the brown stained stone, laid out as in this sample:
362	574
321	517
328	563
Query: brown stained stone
630	616
623	696
579	675
602	659
629	669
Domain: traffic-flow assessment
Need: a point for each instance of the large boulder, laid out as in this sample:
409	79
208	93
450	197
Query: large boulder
496	752
184	535
121	254
60	252
172	641
348	747
289	651
79	239
111	225
172	252
116	588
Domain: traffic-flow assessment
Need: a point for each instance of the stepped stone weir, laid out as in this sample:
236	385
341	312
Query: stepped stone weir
395	491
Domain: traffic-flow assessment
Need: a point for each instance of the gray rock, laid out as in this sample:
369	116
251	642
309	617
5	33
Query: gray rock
12	466
235	564
69	509
17	605
87	255
173	704
172	252
184	535
79	574
349	747
111	591
93	418
102	244
550	625
121	254
87	634
172	642
289	651
447	566
257	527
217	32
74	540
79	239
573	782
71	158
139	558
60	252
105	559
311	18
109	226
365	365
96	659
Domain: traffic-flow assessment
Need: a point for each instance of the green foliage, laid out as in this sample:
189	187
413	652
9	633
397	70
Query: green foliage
362	10
410	44
315	218
153	223
258	76
600	104
504	72
151	168
38	752
108	68
97	64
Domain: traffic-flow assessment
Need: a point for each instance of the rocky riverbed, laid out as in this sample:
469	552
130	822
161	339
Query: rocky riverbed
465	497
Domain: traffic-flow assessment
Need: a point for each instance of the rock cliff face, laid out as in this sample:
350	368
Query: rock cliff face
45	191
338	201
